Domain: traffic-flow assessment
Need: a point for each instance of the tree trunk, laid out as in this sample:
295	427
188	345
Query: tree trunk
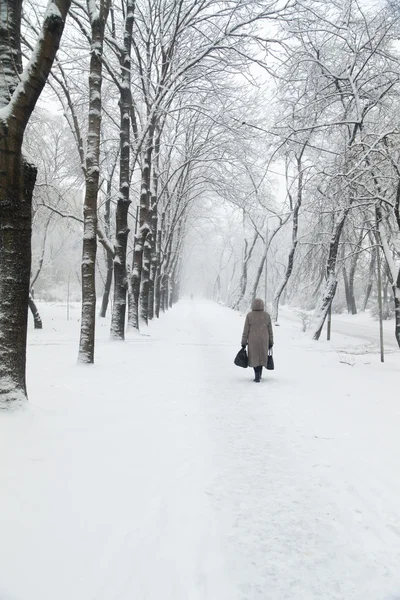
245	265
15	266
157	288
166	293
326	303
260	271
331	280
393	270
370	279
37	321
396	292
89	247
145	283
108	255
144	229
153	263
17	181
154	253
121	230
107	285
347	289
136	281
352	272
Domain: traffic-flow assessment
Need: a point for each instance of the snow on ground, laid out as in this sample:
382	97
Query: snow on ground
361	326
164	472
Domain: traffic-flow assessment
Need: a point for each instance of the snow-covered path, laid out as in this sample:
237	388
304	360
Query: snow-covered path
164	472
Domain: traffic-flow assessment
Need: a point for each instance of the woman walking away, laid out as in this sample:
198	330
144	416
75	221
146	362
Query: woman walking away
258	334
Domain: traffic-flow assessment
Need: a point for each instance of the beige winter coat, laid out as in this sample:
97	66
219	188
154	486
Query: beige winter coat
258	334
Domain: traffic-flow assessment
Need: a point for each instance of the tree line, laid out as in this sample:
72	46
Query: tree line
175	107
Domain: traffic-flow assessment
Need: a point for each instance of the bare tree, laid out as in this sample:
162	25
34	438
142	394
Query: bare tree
18	97
295	209
98	18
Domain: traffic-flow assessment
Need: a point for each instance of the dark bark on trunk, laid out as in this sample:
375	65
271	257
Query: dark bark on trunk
166	291
17	181
15	265
107	285
121	229
174	279
157	290
176	283
326	303
397	311
153	263
394	277
331	281
108	256
171	293
145	283
154	254
41	259
371	272
352	305
346	289
89	249
136	281
144	229
37	321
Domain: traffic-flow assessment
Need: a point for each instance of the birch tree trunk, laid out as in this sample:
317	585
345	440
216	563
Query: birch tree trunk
88	319
18	97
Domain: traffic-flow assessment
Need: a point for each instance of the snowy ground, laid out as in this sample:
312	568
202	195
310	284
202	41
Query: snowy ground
165	473
361	326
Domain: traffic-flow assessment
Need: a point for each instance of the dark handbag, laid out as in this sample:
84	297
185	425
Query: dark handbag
242	359
270	361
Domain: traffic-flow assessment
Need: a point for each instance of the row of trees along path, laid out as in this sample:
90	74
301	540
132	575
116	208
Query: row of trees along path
173	107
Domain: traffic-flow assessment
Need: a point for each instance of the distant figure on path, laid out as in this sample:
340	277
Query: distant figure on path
258	334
